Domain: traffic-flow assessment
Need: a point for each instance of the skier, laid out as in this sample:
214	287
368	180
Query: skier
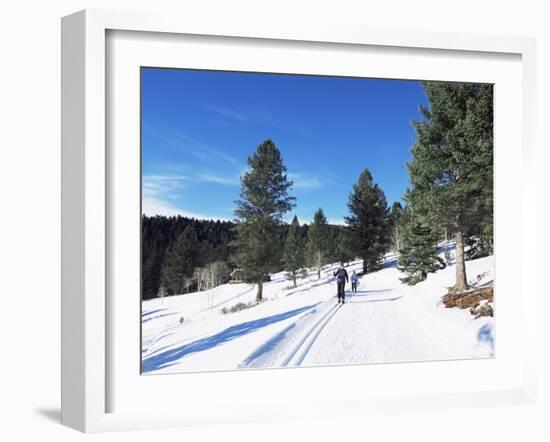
354	279
342	278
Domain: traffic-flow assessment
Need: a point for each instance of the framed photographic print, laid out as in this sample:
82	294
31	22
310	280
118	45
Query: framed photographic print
250	254
267	222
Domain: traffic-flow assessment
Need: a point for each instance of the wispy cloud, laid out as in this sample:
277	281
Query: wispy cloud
303	181
226	180
161	185
231	113
260	116
158	190
192	146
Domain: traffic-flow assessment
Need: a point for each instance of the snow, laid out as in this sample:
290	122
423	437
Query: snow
385	321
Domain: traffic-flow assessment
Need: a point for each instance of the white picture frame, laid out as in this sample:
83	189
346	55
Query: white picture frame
87	203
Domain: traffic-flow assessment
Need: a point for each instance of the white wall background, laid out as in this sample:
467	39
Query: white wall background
30	214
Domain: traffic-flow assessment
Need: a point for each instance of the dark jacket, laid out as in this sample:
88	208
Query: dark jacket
341	274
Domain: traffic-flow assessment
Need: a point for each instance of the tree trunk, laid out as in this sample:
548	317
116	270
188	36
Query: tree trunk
318	272
461	282
364	266
260	291
294	280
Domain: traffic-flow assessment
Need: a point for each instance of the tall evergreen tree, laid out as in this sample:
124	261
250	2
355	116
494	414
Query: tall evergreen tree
344	248
368	221
419	251
293	255
317	241
395	225
331	250
181	259
451	171
263	201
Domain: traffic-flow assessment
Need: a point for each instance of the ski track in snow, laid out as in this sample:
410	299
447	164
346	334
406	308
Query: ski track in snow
385	321
298	350
311	337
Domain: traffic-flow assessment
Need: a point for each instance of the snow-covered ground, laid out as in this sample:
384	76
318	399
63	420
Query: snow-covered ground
385	321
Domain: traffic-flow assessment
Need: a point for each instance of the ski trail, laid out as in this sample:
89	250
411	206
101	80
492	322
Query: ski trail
311	333
314	337
266	347
270	352
266	353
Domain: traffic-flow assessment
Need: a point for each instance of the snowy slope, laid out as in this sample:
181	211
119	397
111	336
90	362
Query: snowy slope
386	321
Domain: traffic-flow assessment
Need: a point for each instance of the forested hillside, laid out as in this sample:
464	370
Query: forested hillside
214	244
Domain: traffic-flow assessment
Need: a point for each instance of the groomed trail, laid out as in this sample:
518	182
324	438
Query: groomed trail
385	321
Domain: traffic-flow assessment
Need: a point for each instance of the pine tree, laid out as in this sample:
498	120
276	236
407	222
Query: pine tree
293	255
181	259
419	251
317	241
331	248
344	247
368	221
451	171
264	199
395	226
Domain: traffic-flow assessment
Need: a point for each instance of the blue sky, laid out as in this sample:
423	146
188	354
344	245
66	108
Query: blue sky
199	128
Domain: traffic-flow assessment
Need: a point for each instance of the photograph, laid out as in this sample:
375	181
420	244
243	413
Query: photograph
293	220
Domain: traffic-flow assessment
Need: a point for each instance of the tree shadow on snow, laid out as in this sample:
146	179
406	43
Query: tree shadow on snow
485	334
152	312
170	357
390	263
144	320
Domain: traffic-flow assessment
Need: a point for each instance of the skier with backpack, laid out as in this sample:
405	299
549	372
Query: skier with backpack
354	280
341	279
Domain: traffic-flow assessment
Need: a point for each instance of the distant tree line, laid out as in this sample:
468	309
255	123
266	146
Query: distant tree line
174	247
181	254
